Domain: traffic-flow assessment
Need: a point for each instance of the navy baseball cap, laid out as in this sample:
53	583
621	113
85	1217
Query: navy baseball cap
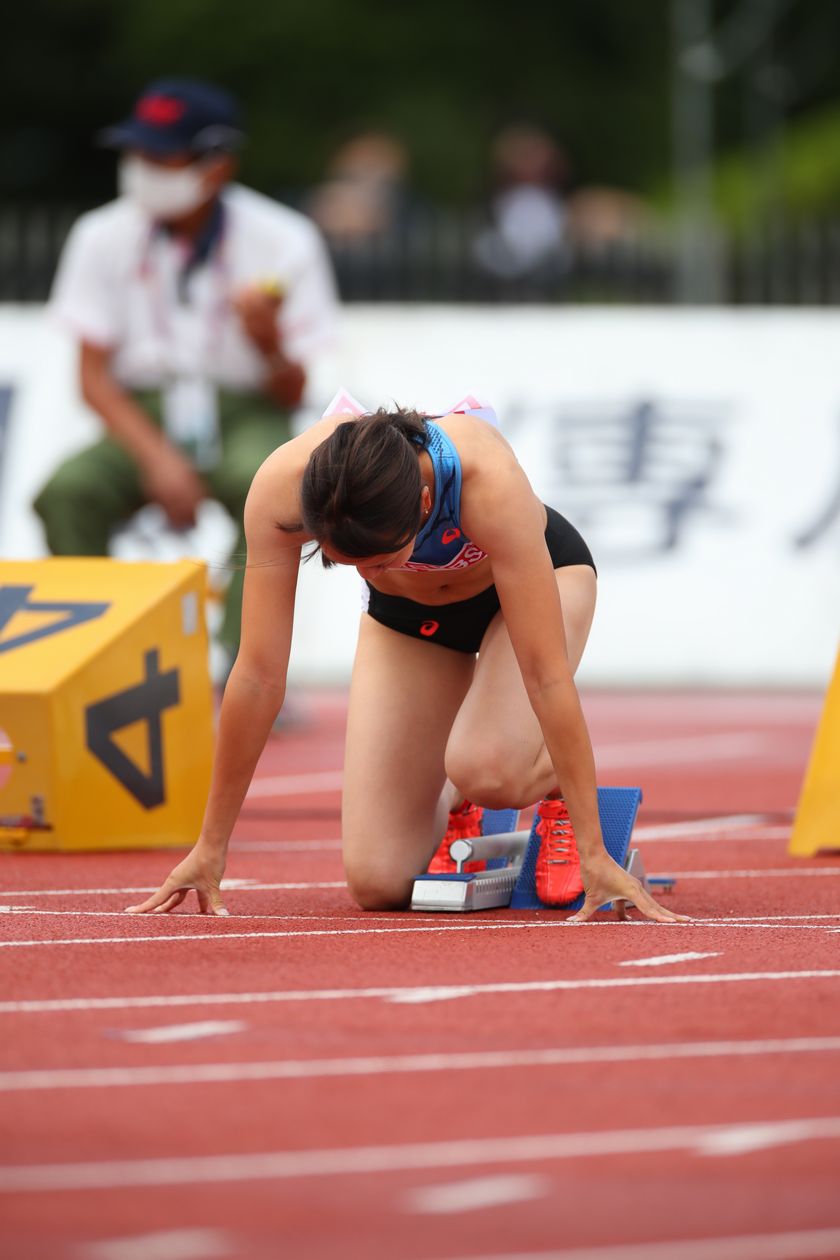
179	116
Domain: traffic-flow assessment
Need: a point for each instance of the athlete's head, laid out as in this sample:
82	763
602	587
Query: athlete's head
362	492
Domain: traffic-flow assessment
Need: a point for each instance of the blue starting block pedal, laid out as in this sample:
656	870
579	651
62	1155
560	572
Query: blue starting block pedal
511	856
617	807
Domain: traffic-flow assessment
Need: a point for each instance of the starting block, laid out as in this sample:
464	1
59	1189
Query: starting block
105	704
510	879
503	848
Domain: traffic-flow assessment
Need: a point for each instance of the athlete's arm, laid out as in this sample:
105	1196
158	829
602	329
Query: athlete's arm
255	689
501	513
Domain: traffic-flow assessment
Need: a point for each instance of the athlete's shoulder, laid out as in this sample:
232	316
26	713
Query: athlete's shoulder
476	440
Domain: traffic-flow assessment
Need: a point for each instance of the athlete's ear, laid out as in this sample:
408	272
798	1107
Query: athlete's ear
426	500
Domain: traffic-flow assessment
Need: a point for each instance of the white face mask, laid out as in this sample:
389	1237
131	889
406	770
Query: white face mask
162	192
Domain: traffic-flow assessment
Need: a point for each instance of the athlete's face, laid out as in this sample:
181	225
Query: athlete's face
371	567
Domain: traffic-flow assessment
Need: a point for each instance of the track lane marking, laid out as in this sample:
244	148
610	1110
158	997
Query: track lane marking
476	1194
296	784
662	960
699	826
228	885
163	1034
408	994
711	746
778	872
248	886
504	925
363	1160
805	1244
407	1064
170	1244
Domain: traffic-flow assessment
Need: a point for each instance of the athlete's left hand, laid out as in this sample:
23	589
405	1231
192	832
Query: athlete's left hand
604	880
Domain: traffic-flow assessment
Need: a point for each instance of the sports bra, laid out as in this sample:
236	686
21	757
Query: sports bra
442	543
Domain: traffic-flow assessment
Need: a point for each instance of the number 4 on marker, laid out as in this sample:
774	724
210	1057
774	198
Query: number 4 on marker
143	703
15	599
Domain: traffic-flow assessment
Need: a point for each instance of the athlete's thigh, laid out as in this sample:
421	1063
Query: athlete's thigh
404	696
496	724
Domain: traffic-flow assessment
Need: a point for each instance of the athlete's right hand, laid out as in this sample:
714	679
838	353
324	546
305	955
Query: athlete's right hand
201	870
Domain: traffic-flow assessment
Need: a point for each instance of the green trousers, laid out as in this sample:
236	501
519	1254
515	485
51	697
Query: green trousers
94	491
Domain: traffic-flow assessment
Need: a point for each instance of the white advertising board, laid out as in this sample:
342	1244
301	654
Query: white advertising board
698	452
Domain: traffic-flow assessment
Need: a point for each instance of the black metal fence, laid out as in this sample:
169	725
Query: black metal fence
432	258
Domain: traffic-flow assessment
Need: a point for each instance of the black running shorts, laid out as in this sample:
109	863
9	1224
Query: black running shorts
463	624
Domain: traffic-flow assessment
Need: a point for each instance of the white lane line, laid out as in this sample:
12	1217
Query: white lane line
181	1032
698	826
340	884
228	885
761	923
296	784
805	1244
716	746
170	1244
446	993
739	919
745	1138
779	872
282	846
360	1160
187	914
408	1064
749	835
408	994
663	960
477	1194
252	885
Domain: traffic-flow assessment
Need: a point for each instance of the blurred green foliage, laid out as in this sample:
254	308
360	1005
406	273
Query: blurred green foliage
442	75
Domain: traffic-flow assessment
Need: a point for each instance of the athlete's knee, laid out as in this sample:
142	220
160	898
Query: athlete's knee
375	887
489	774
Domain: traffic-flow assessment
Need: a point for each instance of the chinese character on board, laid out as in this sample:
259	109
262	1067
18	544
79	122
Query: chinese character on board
634	478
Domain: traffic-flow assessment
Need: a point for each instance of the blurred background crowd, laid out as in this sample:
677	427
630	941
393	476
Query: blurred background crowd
667	150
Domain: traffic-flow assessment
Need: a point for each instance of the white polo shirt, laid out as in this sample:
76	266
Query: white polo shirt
117	287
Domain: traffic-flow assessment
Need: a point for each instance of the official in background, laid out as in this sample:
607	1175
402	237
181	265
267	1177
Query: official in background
199	307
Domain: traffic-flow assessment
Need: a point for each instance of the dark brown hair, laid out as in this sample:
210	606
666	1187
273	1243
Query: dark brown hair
361	487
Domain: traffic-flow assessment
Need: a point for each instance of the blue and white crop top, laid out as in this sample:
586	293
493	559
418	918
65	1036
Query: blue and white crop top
441	543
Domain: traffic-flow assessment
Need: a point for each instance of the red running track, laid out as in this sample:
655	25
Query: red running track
306	1080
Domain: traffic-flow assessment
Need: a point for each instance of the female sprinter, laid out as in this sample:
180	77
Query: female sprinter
479	603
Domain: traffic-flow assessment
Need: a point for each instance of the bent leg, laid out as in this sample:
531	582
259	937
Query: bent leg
87	497
496	754
403	699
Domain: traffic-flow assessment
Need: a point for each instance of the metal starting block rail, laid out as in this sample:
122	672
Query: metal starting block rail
474	890
510	879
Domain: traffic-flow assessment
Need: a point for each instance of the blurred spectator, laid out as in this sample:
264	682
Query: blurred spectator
363	194
600	217
198	306
527	231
